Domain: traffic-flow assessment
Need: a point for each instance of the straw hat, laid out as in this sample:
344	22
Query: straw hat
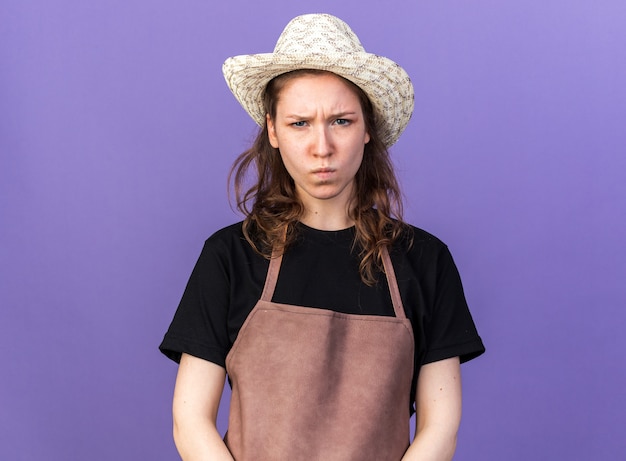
325	42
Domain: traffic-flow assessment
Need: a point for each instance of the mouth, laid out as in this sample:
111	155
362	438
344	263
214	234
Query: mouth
323	173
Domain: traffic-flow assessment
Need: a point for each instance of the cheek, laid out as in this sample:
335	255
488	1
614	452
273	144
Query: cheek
358	161
289	161
357	153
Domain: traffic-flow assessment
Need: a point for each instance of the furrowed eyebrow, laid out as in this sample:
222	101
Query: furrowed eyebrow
342	114
332	116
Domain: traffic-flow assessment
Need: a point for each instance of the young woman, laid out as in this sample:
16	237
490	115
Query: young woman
332	318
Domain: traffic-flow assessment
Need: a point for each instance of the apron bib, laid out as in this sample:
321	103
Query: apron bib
313	384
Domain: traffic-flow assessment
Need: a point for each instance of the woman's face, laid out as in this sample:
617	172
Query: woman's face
319	129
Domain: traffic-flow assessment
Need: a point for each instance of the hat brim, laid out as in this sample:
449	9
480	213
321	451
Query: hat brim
386	84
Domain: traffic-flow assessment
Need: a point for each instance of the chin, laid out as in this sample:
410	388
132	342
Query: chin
325	191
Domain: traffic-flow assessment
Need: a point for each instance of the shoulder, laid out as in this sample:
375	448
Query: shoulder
420	253
229	245
423	237
227	233
416	240
225	238
221	244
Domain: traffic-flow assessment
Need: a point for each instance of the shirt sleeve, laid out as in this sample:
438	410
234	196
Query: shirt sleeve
450	330
199	326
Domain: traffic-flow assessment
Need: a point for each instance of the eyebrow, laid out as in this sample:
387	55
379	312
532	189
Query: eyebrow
334	115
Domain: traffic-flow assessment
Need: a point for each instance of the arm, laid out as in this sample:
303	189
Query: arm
438	404
199	386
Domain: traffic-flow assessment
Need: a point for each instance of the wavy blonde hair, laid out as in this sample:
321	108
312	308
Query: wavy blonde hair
271	205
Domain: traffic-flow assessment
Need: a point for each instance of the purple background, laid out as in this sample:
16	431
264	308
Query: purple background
117	133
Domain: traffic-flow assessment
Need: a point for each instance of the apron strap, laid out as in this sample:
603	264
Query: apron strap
272	276
274	269
393	285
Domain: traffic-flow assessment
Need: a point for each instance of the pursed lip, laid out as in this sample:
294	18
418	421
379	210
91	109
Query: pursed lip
323	173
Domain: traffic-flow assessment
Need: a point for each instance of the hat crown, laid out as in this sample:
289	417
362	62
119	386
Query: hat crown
317	34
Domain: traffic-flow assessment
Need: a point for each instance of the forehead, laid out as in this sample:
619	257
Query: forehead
317	88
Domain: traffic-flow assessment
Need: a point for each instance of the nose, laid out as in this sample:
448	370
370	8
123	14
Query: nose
322	142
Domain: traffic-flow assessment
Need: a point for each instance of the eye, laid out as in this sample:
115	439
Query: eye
342	121
299	124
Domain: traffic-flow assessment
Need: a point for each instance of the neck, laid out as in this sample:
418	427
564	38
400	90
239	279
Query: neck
327	219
